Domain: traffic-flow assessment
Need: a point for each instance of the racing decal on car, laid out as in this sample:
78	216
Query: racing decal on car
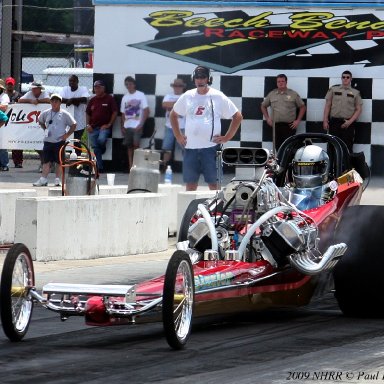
218	279
230	41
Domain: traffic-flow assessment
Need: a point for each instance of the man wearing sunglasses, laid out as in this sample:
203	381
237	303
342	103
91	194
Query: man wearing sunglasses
342	108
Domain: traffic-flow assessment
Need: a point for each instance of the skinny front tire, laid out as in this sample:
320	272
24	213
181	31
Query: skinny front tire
178	300
16	303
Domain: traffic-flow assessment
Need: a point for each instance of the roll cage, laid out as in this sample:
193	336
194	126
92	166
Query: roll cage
339	156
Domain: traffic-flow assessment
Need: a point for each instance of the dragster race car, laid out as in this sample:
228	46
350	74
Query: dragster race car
283	231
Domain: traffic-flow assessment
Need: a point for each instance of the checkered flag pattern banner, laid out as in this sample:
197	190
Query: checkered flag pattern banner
248	93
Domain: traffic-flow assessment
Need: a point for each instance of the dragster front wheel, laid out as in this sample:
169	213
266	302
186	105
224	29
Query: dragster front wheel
178	300
16	303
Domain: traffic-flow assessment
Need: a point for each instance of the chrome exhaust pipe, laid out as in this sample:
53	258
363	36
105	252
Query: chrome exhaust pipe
303	262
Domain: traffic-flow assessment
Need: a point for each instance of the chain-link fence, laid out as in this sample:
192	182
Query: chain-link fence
53	72
46	41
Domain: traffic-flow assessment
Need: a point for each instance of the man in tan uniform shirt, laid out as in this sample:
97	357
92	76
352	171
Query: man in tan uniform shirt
284	103
342	108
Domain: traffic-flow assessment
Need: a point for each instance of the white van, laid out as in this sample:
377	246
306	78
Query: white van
58	77
55	78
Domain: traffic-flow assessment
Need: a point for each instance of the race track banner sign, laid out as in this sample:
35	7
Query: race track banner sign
242	41
22	131
233	40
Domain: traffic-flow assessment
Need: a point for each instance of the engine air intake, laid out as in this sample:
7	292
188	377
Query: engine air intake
245	156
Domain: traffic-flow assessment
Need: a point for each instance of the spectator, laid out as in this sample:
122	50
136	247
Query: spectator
4	101
3	118
14	96
76	95
203	107
342	108
36	95
134	112
101	112
284	103
55	122
169	101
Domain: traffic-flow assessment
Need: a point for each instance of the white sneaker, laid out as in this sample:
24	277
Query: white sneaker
57	182
42	182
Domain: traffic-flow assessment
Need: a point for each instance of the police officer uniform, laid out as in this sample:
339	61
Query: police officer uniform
344	101
284	106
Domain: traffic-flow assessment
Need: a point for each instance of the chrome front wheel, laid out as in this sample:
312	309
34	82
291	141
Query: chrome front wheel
178	300
17	280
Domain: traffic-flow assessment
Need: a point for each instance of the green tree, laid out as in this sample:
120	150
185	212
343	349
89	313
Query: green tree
56	16
48	16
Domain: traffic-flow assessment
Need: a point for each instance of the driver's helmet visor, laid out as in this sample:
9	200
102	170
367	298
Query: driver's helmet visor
308	168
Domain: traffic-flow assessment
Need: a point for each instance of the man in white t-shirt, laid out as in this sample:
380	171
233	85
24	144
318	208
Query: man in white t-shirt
203	107
76	95
36	95
55	122
4	101
169	101
134	112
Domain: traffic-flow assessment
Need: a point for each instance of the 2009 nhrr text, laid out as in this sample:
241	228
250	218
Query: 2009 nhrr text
335	376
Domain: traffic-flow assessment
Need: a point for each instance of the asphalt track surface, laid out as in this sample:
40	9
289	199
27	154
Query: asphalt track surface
270	347
311	344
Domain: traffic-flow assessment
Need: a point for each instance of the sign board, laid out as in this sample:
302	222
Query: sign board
22	131
242	40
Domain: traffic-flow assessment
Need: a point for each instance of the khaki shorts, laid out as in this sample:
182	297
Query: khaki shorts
132	137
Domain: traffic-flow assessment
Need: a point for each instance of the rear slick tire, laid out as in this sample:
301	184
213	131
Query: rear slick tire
186	220
16	303
178	300
358	276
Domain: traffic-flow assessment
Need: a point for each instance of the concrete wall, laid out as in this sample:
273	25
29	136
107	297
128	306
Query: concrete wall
172	192
103	190
86	227
82	227
8	210
169	190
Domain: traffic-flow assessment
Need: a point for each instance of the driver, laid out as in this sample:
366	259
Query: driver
310	176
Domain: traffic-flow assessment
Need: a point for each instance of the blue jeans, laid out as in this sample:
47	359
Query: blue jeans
200	161
4	159
170	140
98	138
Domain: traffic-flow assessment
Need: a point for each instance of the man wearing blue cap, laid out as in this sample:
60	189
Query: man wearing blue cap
101	112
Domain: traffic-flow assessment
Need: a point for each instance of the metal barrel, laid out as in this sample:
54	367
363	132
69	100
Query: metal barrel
144	175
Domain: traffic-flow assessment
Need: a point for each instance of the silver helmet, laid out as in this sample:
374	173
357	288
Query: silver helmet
310	167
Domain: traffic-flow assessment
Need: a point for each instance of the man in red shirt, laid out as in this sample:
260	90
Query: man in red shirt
101	112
